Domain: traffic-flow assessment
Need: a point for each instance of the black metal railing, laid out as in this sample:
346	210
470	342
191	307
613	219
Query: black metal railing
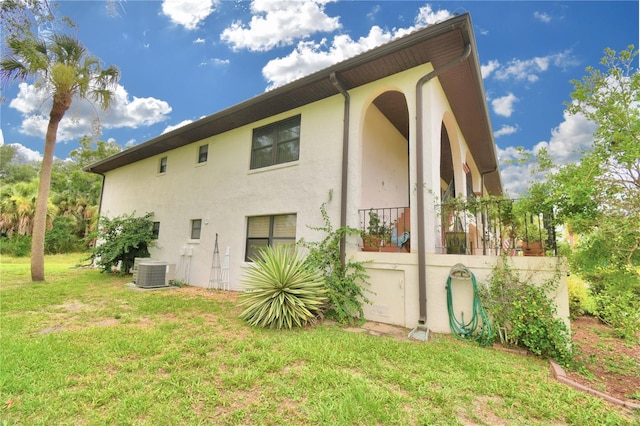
486	226
474	226
386	229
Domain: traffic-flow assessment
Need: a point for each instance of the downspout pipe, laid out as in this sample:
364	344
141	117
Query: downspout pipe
345	161
422	273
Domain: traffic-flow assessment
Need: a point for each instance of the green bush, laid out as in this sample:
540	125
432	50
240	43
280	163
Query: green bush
61	238
16	245
621	311
524	316
579	302
121	240
344	282
280	291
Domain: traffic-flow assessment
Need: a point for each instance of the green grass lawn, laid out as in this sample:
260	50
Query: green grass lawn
82	348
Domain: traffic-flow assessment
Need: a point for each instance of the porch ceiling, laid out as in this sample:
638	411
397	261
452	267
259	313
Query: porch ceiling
436	44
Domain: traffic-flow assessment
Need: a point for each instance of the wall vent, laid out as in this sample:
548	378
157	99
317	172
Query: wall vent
152	275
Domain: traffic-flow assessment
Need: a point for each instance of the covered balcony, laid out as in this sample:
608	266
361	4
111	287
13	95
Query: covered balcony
473	226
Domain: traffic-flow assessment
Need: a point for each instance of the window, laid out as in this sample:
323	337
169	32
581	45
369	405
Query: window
203	154
155	230
263	231
276	143
163	165
196	227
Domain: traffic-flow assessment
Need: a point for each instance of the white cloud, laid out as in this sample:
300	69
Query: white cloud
542	17
310	56
23	154
216	62
374	11
427	16
180	124
188	13
567	141
529	69
504	105
489	68
278	23
505	130
199	40
35	104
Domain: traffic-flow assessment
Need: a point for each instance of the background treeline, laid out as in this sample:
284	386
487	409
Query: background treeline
73	202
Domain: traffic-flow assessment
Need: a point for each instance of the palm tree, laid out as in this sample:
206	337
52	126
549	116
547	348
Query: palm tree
17	205
64	67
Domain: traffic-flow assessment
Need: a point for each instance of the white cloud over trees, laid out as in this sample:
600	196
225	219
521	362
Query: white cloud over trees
35	103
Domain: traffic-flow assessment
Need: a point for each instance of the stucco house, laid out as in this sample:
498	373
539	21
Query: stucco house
389	132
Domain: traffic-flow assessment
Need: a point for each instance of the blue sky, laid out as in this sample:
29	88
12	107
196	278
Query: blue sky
184	59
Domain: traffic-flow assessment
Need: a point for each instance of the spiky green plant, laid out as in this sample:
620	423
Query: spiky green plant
280	291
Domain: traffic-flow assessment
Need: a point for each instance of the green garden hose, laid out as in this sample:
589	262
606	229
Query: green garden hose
478	327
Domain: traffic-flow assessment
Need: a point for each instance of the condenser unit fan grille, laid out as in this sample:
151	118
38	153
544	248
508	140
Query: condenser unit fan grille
151	275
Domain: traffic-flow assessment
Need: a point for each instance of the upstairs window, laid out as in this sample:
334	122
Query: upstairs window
276	143
203	154
272	231
163	165
155	230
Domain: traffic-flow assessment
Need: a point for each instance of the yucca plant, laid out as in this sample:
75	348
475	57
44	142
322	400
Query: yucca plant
281	291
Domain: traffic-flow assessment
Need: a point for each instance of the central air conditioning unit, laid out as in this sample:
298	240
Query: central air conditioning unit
152	275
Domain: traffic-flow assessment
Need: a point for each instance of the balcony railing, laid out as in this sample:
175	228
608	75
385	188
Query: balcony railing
386	229
474	227
493	227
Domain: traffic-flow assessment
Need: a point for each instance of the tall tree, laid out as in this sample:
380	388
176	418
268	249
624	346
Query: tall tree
66	69
599	196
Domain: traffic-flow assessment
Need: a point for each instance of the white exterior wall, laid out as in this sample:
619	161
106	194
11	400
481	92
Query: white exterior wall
224	191
393	285
384	163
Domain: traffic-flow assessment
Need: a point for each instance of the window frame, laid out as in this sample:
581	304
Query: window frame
162	165
193	228
199	159
275	131
251	249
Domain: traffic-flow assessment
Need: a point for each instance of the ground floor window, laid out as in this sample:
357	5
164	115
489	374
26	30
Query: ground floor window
196	227
272	231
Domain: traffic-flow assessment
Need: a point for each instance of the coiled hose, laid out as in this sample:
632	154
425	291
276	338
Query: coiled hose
478	327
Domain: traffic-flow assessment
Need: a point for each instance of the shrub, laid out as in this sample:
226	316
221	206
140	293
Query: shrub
281	291
524	316
121	240
16	245
578	297
344	283
61	238
621	311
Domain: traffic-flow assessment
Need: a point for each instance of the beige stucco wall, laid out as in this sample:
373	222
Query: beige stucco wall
224	192
385	163
393	282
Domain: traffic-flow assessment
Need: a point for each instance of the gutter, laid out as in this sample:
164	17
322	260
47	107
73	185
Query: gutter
421	331
345	162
